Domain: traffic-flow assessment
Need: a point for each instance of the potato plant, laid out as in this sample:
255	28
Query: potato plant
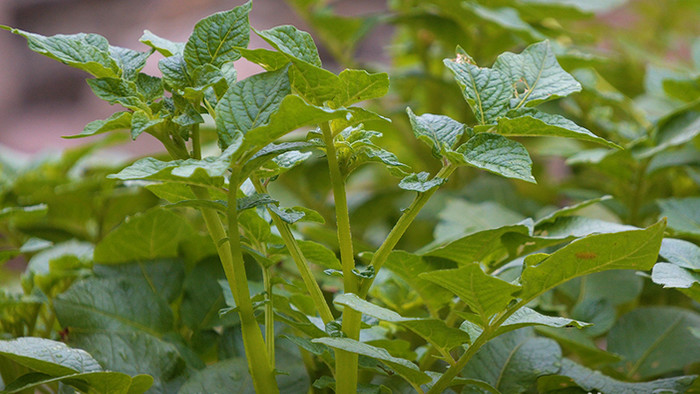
260	254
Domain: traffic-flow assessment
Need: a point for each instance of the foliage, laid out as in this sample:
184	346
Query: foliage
488	272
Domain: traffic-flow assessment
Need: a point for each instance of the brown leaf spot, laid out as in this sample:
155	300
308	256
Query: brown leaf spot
586	255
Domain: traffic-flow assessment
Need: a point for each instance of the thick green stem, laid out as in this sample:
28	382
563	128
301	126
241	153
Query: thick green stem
196	143
399	229
269	317
301	262
232	261
345	362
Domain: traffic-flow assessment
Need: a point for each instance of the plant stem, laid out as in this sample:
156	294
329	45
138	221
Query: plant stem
269	317
196	143
345	362
234	268
301	262
399	229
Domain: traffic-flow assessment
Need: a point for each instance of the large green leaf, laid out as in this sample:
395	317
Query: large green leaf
434	331
531	122
151	235
537	68
654	341
438	131
496	154
215	38
674	276
88	52
420	182
249	103
48	356
525	317
118	91
403	367
265	58
483	293
575	375
512	362
293	42
635	249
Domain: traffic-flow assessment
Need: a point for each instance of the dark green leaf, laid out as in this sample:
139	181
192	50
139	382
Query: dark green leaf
496	154
683	215
49	357
293	42
141	122
438	131
102	382
129	61
166	47
215	38
267	59
115	90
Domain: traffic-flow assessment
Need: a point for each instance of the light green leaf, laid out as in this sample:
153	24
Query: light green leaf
683	215
315	84
118	121
88	52
141	122
575	375
537	68
265	58
249	103
156	233
254	200
504	17
405	368
674	276
635	249
531	122
293	42
171	192
514	361
420	183
215	38
164	46
129	61
408	266
496	154
48	356
359	85
295	214
118	91
681	253
319	254
487	91
200	79
434	331
438	131
30	212
654	341
483	293
525	317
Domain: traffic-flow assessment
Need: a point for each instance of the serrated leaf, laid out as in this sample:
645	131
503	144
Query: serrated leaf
487	91
438	131
151	235
654	341
48	356
496	154
531	122
88	52
265	58
215	38
483	293
249	103
118	121
405	368
359	85
572	374
118	91
420	183
635	249
538	69
681	253
293	42
163	46
434	331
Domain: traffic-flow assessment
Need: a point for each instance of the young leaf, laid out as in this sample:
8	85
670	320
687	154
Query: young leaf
265	58
538	69
141	122
488	91
293	42
319	254
635	249
88	52
118	91
215	38
438	131
496	154
129	61
174	70
420	183
484	294
531	122
359	85
166	47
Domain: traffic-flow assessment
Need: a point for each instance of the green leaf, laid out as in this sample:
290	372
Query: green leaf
514	361
102	382
88	52
525	317
420	183
405	368
531	122
579	343
141	122
293	42
254	200
572	374
164	46
265	58
671	275
568	210
154	234
496	154
174	70
483	293
654	341
129	61
319	254
434	331
202	297
249	103
215	38
295	214
438	131
359	85
118	91
487	91
683	215
118	121
681	253
537	68
635	249
48	356
408	267
24	213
